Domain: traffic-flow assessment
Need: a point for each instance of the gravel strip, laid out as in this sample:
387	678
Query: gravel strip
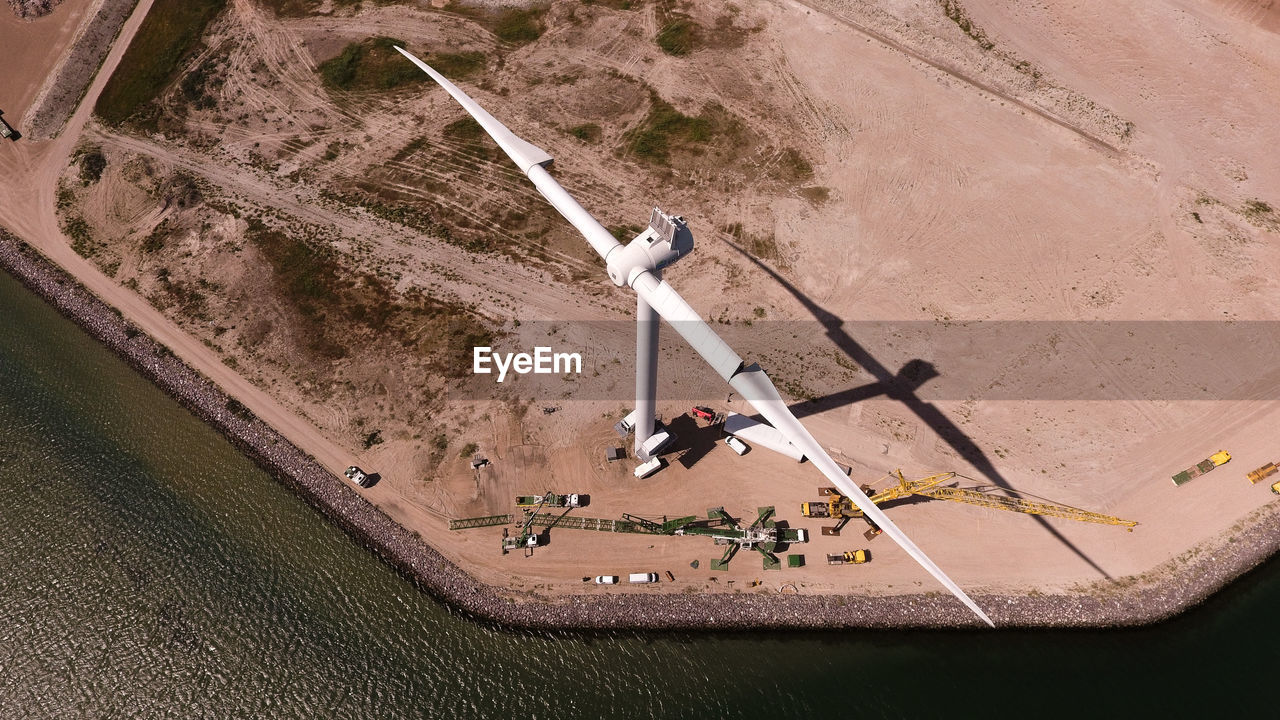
1159	594
62	91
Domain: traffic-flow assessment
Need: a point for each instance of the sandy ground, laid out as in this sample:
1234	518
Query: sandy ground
32	50
957	194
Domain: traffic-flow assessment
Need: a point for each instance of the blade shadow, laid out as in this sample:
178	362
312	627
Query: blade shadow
901	387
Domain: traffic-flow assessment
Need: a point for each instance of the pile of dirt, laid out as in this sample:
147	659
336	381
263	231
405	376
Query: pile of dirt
33	8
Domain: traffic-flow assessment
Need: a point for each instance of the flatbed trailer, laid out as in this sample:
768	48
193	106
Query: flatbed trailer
1222	457
550	499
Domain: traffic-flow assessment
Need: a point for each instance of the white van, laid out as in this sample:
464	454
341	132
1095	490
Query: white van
643	577
737	445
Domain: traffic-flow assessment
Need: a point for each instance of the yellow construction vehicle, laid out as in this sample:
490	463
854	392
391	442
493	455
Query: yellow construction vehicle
841	507
856	557
1256	476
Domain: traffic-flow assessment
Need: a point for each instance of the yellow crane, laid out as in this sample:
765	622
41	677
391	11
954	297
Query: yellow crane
840	507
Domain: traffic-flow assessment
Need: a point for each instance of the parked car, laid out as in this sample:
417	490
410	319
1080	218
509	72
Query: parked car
606	579
737	445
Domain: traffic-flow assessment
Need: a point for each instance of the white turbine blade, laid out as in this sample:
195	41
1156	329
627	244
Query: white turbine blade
686	321
523	153
758	390
530	159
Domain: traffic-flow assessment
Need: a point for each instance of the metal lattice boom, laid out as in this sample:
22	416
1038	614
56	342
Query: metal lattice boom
476	522
931	487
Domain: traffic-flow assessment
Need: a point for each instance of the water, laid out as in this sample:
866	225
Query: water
148	570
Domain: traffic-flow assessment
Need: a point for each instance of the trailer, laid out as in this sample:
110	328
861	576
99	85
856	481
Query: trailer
549	499
1222	457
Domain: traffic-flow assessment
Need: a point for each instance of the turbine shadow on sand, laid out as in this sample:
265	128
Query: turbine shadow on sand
902	388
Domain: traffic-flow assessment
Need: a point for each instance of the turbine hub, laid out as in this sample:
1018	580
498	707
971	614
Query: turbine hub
666	240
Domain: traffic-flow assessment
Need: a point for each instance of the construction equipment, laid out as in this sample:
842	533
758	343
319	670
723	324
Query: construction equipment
763	535
704	413
855	557
485	521
1256	476
1222	457
639	265
526	539
838	506
549	499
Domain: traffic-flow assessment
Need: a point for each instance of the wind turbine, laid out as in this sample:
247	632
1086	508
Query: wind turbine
639	265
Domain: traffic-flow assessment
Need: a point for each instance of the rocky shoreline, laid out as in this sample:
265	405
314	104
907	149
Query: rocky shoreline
1165	591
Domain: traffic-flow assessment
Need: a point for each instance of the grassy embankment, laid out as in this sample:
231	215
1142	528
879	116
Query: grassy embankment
167	37
340	311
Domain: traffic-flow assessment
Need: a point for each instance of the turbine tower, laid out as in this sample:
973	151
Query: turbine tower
638	265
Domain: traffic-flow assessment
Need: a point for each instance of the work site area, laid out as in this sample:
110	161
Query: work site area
1010	284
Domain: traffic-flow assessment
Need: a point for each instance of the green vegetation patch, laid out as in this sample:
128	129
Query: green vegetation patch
764	247
458	65
816	194
791	167
519	26
92	164
616	4
588	132
371	64
340	310
304	8
167	36
679	37
1261	213
957	14
665	129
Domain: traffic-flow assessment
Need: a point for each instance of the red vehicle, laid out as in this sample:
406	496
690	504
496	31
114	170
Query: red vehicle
703	412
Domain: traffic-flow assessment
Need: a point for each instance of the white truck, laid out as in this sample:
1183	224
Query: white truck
567	500
358	476
642	578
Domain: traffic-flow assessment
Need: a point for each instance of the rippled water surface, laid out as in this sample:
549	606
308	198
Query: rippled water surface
148	570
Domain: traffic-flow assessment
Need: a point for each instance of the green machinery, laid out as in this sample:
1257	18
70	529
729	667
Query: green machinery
526	538
485	521
763	535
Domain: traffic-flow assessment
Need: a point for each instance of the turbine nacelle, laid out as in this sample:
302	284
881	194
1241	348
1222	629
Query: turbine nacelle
666	240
